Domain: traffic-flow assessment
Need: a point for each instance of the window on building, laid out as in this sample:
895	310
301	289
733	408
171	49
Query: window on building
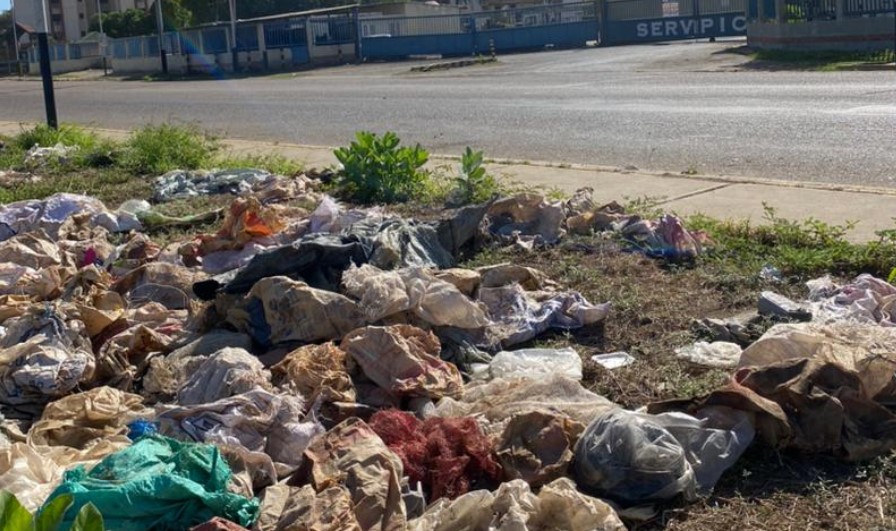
81	16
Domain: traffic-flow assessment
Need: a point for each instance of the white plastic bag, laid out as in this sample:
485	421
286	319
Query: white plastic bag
537	363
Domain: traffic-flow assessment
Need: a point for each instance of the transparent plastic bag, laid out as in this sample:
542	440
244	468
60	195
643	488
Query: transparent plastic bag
637	458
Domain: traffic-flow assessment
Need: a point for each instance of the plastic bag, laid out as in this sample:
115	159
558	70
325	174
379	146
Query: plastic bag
632	459
717	355
537	363
637	458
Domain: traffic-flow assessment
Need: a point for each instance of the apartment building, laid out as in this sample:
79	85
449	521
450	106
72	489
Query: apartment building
69	20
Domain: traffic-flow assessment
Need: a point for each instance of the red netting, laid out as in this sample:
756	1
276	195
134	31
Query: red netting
447	455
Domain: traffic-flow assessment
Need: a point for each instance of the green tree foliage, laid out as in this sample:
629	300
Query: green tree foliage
134	22
7	44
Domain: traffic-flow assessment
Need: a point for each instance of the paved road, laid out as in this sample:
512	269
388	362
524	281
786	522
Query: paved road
685	106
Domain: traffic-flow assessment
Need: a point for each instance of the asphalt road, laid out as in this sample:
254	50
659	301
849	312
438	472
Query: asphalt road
678	107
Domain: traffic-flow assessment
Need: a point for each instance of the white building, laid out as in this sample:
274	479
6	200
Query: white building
69	20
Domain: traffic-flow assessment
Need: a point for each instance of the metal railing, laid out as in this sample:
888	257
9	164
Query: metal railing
285	33
332	29
402	26
858	8
345	28
652	9
809	10
815	10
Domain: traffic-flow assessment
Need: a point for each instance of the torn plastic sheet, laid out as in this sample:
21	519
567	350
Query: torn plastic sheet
318	261
352	456
526	217
43	357
498	400
385	293
257	420
124	487
180	184
403	360
865	300
279	310
513	506
51	213
520	315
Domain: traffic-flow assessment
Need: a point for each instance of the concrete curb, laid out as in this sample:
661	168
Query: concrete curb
7	126
718	196
454	64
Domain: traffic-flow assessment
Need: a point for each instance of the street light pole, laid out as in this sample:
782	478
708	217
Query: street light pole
46	73
99	17
160	27
233	34
15	36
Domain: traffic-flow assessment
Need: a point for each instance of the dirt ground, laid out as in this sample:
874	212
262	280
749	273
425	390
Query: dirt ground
653	307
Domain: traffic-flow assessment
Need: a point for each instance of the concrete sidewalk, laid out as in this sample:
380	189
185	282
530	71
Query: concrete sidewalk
872	209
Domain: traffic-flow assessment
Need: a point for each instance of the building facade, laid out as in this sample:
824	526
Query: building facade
69	20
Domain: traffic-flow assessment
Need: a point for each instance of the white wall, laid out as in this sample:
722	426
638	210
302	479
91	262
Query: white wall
70	65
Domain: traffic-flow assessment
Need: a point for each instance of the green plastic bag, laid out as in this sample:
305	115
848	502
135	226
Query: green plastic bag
157	483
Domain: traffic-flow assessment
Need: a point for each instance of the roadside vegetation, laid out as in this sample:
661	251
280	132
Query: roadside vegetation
824	60
655	303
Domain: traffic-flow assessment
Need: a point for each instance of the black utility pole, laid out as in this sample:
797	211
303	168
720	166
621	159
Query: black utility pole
46	74
160	27
233	50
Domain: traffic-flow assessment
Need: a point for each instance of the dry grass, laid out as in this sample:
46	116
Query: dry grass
654	306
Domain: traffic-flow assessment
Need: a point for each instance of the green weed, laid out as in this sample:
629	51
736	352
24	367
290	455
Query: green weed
376	169
156	149
474	185
798	248
93	151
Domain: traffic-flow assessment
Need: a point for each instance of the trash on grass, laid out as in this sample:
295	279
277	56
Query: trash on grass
715	355
613	360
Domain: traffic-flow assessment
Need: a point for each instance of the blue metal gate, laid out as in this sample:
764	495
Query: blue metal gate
561	26
290	34
634	21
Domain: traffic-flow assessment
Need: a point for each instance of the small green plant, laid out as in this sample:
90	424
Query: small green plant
474	185
156	149
376	169
14	517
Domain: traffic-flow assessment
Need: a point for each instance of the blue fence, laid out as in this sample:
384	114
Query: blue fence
285	34
810	10
562	25
634	21
857	8
332	30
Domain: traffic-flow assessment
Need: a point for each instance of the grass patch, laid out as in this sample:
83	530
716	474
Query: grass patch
276	164
113	186
801	249
156	149
825	60
93	151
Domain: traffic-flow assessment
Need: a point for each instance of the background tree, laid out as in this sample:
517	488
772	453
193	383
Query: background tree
134	22
7	44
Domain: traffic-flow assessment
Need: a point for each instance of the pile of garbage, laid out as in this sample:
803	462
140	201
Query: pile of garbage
819	380
309	365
